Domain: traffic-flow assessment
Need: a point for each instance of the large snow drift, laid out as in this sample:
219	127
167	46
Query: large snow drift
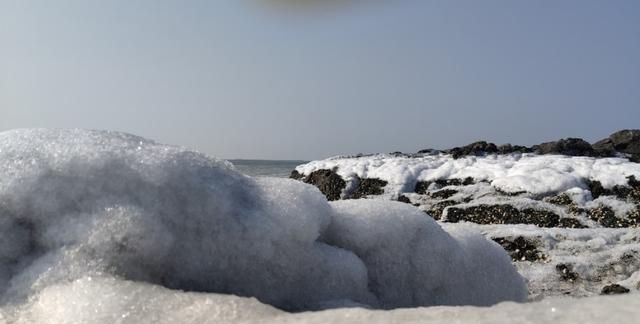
78	204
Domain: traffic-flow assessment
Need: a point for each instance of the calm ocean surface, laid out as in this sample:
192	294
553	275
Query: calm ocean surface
266	168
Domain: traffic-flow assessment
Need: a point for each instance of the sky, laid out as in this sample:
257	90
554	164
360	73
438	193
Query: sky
305	79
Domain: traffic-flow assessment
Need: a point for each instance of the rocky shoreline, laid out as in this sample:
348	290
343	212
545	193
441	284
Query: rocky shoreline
445	199
588	207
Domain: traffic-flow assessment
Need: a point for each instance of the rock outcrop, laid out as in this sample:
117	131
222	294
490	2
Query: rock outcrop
367	187
614	289
567	146
501	214
524	202
508	149
625	141
478	148
520	249
328	181
452	199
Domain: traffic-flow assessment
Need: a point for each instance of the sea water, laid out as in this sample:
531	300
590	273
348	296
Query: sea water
267	168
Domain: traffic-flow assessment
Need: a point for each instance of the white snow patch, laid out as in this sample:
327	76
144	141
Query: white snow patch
100	301
535	174
620	208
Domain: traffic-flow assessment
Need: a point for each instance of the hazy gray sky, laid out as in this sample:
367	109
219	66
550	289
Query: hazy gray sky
262	79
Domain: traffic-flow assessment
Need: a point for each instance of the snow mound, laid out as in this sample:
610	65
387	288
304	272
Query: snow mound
413	261
78	204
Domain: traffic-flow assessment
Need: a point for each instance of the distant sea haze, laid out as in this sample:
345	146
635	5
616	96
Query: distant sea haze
267	168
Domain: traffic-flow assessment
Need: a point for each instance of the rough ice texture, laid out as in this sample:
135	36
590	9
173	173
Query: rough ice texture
102	301
535	174
77	204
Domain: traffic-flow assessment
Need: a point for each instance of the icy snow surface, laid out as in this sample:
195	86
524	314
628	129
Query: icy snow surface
106	301
99	225
535	174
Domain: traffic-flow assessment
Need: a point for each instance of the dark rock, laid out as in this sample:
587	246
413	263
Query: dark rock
436	209
567	146
502	214
483	214
614	289
520	249
368	187
576	210
542	218
629	258
443	193
422	187
570	223
606	217
508	149
329	183
634	194
509	193
404	199
621	192
566	272
455	182
634	216
596	188
560	200
625	141
296	175
468	181
631	191
479	148
429	151
604	148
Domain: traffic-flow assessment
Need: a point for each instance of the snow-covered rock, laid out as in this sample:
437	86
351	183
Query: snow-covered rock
568	262
570	223
526	182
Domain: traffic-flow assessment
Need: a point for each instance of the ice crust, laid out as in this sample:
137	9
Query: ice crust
535	174
140	217
105	300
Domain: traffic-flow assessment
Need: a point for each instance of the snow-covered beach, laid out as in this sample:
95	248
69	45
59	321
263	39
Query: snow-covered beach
567	215
103	227
319	161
